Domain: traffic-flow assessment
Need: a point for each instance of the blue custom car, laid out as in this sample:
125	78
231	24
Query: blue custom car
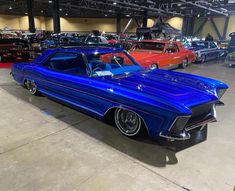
107	82
206	50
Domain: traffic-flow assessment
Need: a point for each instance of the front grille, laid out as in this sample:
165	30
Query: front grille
199	113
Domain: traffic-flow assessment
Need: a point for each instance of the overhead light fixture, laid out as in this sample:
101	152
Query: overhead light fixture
26	13
49	1
198	15
61	9
127	15
110	10
42	11
115	3
105	15
10	8
66	14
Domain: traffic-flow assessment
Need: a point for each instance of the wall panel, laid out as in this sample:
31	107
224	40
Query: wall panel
77	24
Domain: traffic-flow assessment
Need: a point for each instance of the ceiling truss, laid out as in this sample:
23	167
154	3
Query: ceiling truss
124	8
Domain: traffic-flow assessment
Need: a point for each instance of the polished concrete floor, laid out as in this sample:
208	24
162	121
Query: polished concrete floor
47	146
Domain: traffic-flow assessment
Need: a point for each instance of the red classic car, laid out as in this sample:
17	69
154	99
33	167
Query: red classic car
161	54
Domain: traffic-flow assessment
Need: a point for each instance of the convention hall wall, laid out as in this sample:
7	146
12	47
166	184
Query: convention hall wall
220	21
76	24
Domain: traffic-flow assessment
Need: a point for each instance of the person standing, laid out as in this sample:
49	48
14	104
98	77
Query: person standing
209	37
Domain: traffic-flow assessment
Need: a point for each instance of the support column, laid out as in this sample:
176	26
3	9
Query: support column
127	26
200	27
225	27
216	29
118	24
56	16
145	18
188	26
31	16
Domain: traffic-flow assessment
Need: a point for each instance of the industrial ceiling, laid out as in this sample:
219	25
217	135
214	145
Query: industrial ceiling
124	8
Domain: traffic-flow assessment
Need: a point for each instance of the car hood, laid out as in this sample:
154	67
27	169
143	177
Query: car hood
167	88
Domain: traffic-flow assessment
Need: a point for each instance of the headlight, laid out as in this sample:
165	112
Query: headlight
220	92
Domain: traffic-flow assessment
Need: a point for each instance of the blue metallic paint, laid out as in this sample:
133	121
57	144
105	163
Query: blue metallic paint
158	96
209	52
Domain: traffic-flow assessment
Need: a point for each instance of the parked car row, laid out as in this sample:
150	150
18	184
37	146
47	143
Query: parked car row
149	53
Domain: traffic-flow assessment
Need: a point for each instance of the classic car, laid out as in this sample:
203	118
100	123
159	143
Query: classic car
95	40
230	59
60	41
161	54
14	49
127	41
108	84
223	44
98	40
206	50
111	38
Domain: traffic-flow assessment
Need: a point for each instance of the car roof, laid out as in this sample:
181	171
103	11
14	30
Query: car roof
88	49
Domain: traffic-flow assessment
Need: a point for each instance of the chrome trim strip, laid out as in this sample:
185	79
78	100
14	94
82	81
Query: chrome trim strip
212	119
185	137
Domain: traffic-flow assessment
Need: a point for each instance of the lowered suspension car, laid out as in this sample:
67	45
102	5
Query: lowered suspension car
108	83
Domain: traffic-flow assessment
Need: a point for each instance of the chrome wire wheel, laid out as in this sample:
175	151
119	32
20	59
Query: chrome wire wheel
32	87
185	63
203	59
128	122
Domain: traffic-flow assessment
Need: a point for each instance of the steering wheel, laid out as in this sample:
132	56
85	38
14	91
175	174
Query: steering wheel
98	67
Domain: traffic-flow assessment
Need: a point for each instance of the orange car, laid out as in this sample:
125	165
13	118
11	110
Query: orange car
161	54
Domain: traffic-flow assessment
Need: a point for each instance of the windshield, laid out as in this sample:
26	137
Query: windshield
132	37
111	64
149	46
96	40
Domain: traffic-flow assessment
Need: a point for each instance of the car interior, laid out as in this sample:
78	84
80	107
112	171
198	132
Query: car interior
70	63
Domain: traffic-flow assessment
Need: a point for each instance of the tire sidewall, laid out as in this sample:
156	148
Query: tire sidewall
203	59
27	85
185	63
136	132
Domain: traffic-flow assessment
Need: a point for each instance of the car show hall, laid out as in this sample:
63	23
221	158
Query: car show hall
113	95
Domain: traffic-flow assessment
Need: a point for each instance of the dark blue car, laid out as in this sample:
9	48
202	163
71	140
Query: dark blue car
108	83
206	50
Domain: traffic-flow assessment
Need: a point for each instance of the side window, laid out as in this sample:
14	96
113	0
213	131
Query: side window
212	45
66	62
171	48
